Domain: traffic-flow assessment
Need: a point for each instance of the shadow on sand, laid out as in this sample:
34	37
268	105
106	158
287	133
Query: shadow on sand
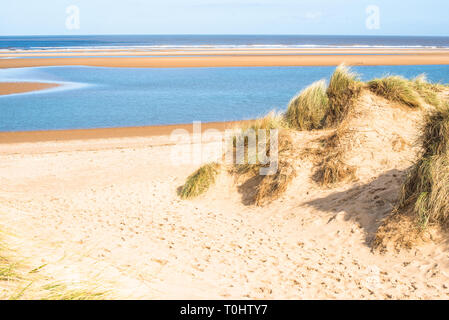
365	204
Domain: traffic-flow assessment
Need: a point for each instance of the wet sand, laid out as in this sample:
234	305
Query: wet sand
214	57
104	133
21	87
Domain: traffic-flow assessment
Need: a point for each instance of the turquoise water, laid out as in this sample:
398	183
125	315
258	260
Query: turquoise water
93	97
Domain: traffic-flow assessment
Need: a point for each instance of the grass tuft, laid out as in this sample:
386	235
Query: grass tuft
344	89
268	187
7	269
199	181
61	291
426	189
427	91
309	108
271	187
334	170
396	88
273	120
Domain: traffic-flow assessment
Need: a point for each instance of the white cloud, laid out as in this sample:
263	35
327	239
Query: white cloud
313	15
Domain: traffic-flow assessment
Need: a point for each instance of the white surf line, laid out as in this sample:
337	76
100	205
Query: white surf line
20	75
61	86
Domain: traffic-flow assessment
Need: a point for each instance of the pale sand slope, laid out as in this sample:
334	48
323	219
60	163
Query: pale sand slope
107	211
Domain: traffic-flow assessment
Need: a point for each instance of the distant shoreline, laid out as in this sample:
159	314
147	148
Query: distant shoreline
231	61
10	137
213	57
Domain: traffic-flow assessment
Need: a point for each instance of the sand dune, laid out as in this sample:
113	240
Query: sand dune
107	210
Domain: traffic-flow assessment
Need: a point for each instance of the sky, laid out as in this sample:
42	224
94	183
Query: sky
330	17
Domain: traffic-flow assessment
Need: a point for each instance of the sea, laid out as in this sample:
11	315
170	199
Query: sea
97	97
231	41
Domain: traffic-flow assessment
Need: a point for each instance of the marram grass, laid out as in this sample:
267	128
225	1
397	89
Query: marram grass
343	90
60	291
17	282
396	88
426	190
199	181
308	109
427	91
273	120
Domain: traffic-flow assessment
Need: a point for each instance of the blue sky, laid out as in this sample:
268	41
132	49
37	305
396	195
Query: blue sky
396	17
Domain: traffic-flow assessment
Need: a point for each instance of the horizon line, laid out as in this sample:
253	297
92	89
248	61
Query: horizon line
223	34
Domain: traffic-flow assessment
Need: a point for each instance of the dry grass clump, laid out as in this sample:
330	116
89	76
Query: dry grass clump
427	91
7	267
426	188
396	88
199	181
271	186
399	231
422	81
273	120
344	89
332	169
309	108
424	196
411	93
60	291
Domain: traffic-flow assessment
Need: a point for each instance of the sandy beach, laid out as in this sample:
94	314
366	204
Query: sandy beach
228	58
104	133
22	87
107	210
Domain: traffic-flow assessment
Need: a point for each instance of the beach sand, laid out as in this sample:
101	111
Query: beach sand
107	133
106	211
226	58
230	61
21	87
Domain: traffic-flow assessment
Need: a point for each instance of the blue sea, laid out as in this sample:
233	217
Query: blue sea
93	97
156	41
